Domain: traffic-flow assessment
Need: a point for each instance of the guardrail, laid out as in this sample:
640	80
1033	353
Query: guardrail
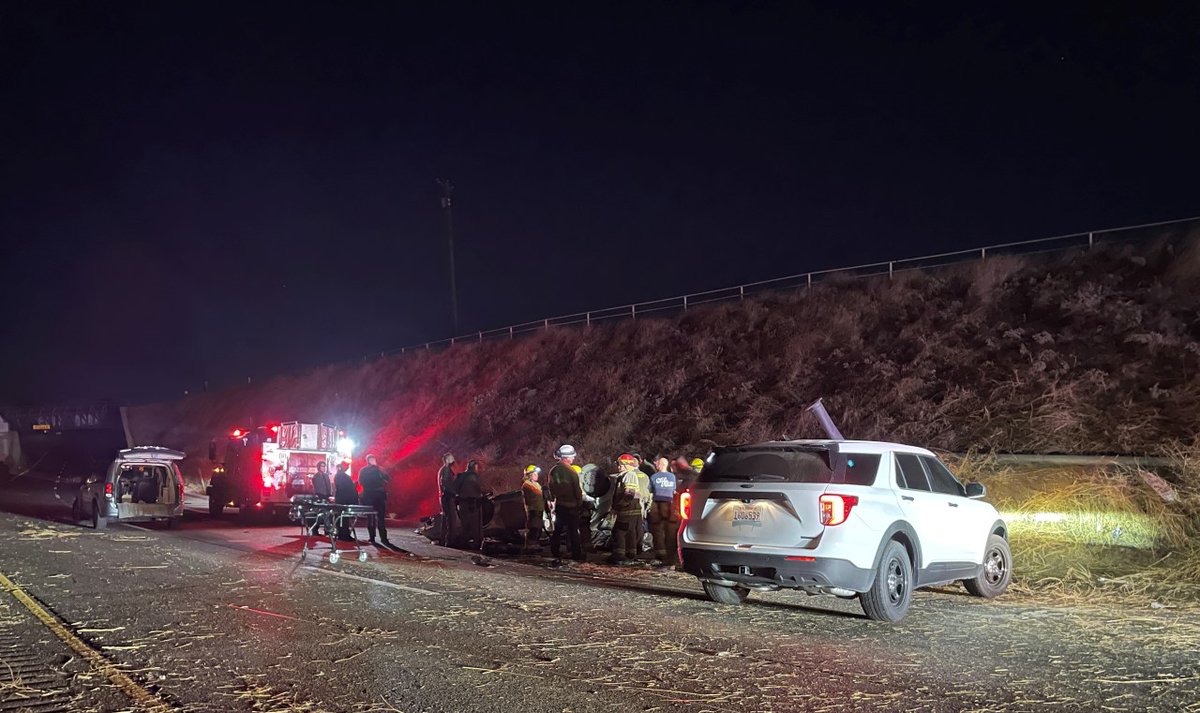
806	280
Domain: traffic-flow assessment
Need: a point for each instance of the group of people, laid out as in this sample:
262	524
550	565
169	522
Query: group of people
640	497
373	482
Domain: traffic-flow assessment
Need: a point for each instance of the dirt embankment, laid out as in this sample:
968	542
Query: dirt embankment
1084	353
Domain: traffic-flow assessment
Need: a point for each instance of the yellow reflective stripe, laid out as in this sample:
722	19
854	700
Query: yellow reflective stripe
148	700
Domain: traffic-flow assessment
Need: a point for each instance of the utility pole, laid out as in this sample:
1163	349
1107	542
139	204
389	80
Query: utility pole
447	189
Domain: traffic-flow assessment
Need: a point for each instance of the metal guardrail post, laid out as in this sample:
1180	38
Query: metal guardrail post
546	324
481	336
510	332
810	280
588	319
685	303
890	264
741	292
983	253
1090	240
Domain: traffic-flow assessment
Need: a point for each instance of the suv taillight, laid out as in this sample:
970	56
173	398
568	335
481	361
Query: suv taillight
685	505
836	508
108	488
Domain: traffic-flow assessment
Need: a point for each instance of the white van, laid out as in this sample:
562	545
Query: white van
142	484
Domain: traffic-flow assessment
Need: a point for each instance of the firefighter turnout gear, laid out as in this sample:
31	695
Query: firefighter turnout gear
566	492
628	508
535	507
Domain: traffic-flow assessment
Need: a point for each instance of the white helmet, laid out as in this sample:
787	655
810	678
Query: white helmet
566	450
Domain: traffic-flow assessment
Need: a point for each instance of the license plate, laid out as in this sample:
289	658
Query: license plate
747	514
299	483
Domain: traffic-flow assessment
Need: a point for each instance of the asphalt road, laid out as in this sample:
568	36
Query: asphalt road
218	617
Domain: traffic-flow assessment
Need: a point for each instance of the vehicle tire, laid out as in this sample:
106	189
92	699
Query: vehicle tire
996	574
725	595
76	510
216	504
246	514
173	523
99	522
890	594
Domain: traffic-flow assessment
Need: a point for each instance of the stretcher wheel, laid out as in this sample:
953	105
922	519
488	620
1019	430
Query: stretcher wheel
334	557
362	556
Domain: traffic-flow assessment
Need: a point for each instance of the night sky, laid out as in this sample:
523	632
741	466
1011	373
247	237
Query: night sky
194	191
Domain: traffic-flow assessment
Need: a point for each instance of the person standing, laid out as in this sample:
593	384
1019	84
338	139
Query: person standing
566	492
321	486
664	520
535	508
374	484
469	492
446	478
627	506
345	492
323	489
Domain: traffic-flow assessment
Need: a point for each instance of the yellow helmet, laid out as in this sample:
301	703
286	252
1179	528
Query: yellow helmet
531	469
697	464
576	468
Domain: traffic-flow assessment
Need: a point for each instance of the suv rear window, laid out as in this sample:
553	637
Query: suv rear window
791	466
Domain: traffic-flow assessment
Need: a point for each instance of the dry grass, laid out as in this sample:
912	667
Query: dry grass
1082	353
1116	536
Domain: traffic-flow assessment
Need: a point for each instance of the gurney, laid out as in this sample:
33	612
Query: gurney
315	513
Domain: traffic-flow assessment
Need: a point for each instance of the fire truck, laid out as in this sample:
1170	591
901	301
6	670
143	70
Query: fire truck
265	466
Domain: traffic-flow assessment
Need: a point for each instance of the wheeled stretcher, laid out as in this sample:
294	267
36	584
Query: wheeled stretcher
315	514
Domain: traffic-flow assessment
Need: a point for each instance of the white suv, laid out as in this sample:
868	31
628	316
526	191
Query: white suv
849	518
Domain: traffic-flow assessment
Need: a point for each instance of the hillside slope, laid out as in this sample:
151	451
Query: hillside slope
1091	352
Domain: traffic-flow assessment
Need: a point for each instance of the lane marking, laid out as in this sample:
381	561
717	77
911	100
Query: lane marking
130	687
380	582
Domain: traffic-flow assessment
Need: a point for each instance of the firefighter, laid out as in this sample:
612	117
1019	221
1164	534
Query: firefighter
627	505
446	478
585	511
535	508
374	482
566	492
345	492
468	489
664	519
697	465
643	479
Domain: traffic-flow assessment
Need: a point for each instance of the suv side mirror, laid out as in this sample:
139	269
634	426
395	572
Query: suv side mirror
976	490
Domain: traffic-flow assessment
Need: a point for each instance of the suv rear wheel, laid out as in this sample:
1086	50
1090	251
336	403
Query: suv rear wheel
996	573
890	594
725	595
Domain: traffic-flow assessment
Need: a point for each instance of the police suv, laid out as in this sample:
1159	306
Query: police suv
849	518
